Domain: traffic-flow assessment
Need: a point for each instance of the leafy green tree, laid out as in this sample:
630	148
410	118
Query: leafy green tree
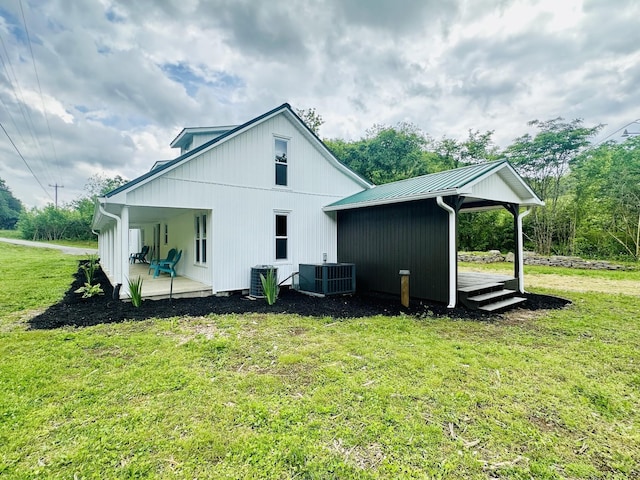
70	222
607	197
544	160
312	119
482	231
99	184
476	148
386	154
10	207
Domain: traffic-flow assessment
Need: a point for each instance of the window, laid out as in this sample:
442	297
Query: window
166	234
281	162
201	239
281	237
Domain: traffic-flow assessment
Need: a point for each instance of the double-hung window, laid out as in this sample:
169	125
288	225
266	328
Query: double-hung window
201	239
281	146
282	239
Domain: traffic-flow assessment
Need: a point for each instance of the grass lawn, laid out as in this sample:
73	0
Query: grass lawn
69	243
530	395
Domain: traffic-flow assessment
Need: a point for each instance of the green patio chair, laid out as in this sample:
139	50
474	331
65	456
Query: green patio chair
172	253
140	256
167	266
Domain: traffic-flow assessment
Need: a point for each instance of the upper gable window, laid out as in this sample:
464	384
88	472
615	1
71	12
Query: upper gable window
281	161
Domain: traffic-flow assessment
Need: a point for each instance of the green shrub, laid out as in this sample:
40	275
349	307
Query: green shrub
270	286
89	290
135	291
90	268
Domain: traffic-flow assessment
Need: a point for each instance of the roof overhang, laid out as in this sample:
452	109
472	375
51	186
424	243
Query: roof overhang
388	201
485	186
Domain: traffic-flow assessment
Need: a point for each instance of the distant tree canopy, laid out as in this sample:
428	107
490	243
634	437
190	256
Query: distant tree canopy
69	222
544	161
10	207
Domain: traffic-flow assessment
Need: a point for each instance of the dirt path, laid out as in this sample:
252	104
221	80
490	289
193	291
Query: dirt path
62	248
575	283
578	284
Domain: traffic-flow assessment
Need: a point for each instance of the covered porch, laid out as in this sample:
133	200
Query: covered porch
162	286
125	229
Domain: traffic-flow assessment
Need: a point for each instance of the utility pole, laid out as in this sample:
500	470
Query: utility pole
56	186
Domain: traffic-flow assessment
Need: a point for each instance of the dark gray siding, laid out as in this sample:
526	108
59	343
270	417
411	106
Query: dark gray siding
385	239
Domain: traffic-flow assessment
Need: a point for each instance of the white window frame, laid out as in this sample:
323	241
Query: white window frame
287	142
166	234
200	239
276	237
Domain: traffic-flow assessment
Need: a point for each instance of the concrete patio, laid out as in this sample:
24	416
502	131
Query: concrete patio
158	288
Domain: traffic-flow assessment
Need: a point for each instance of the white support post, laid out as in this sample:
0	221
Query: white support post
453	254
124	245
520	247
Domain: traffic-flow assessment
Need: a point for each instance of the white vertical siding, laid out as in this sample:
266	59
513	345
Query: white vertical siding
495	188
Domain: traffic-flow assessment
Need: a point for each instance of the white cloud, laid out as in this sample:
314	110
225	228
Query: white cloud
120	79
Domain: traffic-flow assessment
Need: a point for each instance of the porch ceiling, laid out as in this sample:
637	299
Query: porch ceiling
141	215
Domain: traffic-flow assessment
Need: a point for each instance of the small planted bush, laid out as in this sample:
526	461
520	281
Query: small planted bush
135	291
90	268
88	290
270	286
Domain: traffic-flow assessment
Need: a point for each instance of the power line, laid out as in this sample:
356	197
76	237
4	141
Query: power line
26	114
44	110
25	161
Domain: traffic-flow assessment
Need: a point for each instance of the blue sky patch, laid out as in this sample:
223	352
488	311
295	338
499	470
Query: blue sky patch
15	26
113	16
192	81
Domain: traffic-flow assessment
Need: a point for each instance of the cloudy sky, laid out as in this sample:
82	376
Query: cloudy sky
103	86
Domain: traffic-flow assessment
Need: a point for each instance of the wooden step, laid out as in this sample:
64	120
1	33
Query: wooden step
502	304
479	288
495	294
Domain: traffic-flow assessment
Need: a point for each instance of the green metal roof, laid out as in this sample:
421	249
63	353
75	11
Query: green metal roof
449	182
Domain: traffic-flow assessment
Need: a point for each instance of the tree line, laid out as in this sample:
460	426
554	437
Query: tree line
68	222
591	192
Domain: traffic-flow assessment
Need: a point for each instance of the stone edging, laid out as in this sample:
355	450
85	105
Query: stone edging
531	258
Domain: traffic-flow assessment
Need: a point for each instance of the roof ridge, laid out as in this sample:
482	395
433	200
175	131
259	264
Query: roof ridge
457	169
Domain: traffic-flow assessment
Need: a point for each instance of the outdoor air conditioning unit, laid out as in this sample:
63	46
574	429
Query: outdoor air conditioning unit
255	289
328	278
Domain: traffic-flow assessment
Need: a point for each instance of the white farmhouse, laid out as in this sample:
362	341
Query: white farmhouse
236	197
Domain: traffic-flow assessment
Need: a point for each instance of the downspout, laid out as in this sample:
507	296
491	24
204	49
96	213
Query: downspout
521	250
453	294
118	245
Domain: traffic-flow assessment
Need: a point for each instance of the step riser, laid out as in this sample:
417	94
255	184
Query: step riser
489	297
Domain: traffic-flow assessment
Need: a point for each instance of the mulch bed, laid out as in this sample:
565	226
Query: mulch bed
73	310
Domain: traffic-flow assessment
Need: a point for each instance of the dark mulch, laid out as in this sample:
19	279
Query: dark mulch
73	310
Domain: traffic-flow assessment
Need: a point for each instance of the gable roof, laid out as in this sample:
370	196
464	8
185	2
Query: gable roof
285	107
459	181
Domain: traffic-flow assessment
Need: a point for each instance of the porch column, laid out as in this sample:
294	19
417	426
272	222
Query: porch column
518	260
124	245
